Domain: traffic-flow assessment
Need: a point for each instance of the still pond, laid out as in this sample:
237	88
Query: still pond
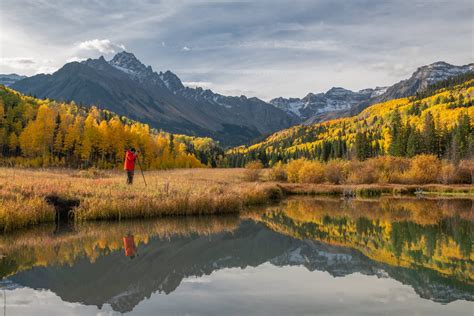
305	256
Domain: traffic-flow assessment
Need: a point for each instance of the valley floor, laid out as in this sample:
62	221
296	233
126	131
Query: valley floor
104	195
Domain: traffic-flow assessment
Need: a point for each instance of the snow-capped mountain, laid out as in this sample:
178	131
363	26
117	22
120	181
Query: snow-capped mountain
128	87
422	78
340	102
128	63
335	99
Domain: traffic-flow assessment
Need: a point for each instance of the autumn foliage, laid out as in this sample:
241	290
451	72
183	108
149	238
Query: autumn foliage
439	123
421	169
42	133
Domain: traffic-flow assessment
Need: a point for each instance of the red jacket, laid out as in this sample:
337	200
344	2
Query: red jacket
129	163
129	245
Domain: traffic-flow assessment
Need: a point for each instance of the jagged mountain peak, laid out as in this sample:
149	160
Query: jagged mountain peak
308	96
338	101
128	63
440	70
314	104
126	86
171	81
422	78
99	63
101	59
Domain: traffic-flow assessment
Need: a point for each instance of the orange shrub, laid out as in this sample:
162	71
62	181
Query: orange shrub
364	172
312	172
423	169
392	168
278	172
293	169
448	173
336	171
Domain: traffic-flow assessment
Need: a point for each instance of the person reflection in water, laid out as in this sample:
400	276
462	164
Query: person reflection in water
129	245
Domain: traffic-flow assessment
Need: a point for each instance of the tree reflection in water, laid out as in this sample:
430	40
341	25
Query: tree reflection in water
424	243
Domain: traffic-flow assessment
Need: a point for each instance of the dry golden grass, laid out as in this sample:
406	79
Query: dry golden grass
392	189
104	195
172	192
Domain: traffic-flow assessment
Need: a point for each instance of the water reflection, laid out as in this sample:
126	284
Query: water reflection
434	234
424	244
129	246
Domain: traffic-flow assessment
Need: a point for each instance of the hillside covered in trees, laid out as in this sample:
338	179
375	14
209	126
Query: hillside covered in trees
42	133
438	121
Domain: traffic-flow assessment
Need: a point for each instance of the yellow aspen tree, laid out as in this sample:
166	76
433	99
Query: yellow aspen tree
117	139
104	142
90	137
58	143
72	139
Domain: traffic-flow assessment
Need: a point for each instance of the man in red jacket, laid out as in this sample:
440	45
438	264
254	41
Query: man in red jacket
129	164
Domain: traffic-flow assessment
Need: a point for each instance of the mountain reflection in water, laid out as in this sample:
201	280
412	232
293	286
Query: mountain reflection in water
426	244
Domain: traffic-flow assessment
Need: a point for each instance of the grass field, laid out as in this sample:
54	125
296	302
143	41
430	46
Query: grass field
104	195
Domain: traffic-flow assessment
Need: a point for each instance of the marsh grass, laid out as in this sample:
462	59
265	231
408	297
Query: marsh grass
179	192
107	197
375	190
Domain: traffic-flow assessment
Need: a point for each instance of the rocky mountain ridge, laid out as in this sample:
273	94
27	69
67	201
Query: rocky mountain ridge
126	86
340	102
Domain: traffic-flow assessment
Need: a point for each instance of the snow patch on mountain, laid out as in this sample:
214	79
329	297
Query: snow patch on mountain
335	99
129	64
441	71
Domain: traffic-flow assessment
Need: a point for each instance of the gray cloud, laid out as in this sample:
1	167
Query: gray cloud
270	48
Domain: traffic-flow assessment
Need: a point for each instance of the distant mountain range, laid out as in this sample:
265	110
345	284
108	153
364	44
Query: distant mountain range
340	102
126	86
370	133
10	79
314	107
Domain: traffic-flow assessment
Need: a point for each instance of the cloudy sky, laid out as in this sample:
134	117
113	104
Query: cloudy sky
258	48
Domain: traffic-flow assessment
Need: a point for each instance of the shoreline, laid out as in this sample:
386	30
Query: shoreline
178	192
367	190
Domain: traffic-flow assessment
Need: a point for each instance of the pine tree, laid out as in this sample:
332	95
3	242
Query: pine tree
430	137
362	146
462	137
413	143
395	132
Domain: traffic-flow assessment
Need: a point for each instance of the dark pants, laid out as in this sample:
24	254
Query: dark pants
130	176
